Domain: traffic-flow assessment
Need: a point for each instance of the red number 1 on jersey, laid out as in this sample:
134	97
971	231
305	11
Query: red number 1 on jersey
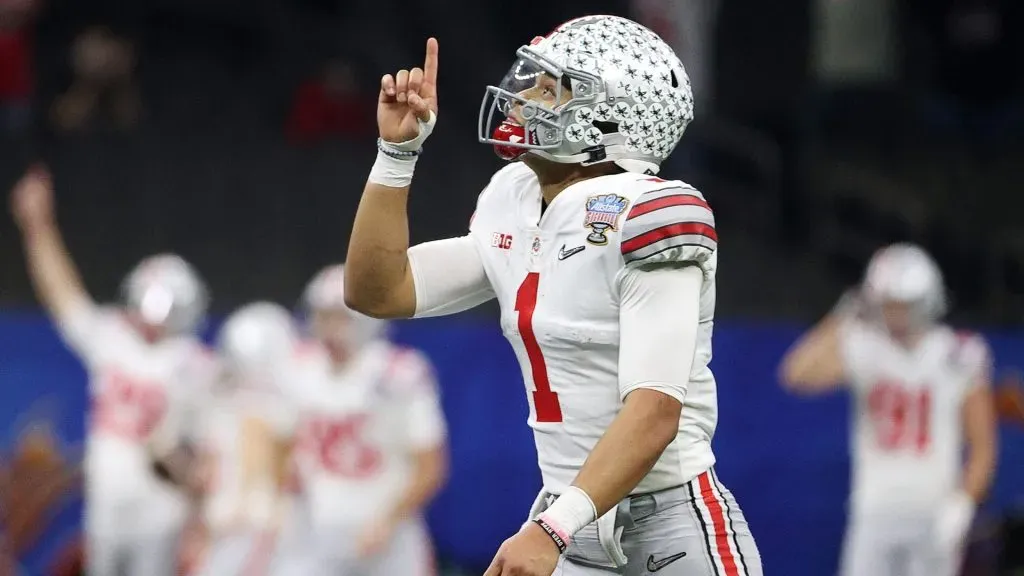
545	401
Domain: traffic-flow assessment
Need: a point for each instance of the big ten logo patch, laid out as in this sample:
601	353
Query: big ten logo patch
502	241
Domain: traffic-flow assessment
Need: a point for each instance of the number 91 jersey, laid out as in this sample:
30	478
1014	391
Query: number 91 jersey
907	432
556	274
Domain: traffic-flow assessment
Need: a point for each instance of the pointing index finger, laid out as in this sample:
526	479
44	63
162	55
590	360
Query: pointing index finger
430	63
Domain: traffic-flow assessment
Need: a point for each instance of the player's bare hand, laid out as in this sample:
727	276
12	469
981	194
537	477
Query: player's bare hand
530	552
375	538
406	97
32	198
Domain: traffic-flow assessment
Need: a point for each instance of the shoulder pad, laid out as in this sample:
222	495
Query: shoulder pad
505	182
407	372
971	353
669	223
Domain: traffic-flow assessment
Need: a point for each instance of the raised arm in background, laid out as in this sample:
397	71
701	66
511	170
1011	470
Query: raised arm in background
814	364
55	278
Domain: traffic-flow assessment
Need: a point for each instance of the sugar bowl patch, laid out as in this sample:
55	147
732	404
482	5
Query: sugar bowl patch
602	215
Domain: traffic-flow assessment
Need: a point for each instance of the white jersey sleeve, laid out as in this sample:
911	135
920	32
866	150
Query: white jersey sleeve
659	313
672	223
412	380
448	276
974	358
668	239
189	396
856	351
82	328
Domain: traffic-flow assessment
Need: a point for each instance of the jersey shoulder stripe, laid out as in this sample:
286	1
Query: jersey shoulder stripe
669	223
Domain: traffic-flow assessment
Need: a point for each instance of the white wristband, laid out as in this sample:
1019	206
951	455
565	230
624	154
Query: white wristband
570	513
392	172
416	143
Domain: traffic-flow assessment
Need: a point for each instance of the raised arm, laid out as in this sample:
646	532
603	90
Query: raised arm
378	277
384	278
54	275
815	363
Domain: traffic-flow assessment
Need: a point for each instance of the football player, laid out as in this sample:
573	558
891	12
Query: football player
146	370
605	276
244	441
921	395
370	446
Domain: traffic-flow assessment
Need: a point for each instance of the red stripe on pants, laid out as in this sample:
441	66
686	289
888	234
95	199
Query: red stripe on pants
718	520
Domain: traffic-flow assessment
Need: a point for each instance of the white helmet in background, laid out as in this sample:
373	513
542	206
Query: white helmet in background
256	341
617	93
326	293
165	291
906	274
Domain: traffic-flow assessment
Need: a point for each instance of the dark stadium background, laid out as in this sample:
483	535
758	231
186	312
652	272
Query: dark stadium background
825	129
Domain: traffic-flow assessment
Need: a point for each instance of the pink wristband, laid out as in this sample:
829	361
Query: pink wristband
569	513
559	536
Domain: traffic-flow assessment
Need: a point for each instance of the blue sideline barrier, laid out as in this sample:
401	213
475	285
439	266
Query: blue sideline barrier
785	458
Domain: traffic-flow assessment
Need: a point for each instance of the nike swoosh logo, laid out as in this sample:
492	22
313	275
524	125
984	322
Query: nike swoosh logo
563	253
655	565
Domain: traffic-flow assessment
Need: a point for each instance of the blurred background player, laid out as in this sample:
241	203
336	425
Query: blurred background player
243	441
922	392
605	276
370	449
146	370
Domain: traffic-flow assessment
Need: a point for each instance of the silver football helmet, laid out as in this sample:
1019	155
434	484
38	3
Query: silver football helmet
165	291
256	341
597	89
326	293
905	274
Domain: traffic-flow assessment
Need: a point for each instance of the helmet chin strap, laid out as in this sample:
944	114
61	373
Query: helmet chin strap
627	164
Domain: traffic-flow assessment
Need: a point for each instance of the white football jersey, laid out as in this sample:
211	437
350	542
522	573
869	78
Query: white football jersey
143	397
222	451
907	449
555	276
223	448
356	430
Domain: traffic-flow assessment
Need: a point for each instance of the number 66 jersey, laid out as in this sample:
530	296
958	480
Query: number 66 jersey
560	275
